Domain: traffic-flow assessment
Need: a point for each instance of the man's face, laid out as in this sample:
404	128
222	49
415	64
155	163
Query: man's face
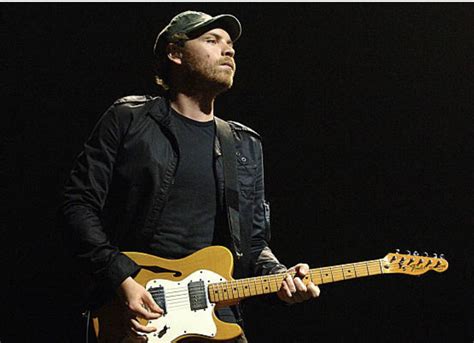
209	59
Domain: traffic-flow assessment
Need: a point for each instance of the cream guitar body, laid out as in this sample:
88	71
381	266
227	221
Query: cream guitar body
191	288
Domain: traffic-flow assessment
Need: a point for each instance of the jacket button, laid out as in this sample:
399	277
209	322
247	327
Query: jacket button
238	153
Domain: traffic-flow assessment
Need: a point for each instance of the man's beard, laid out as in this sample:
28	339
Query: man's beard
204	76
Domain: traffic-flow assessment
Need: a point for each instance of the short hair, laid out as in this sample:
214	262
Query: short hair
162	71
163	64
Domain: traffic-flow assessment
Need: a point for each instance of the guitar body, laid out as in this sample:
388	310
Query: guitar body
180	288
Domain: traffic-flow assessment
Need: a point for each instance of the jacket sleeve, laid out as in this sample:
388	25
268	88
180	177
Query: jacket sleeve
265	261
84	196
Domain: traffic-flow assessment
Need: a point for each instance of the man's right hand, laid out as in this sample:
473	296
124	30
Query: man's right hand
139	304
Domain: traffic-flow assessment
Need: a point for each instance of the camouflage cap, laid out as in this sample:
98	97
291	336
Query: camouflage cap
191	24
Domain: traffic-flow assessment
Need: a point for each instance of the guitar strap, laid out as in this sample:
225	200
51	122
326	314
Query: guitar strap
231	184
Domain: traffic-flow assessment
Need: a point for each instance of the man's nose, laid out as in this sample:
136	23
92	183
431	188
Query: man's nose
228	51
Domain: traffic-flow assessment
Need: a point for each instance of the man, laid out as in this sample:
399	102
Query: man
151	177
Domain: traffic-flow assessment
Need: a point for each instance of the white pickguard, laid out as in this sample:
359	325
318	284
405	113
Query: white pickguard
180	320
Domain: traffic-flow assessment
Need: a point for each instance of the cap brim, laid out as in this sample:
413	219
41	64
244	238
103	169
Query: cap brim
227	22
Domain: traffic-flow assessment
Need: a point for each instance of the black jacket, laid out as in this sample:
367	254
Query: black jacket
120	182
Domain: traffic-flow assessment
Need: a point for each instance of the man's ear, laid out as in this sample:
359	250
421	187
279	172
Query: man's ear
174	53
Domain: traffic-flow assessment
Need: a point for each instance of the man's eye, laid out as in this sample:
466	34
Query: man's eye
212	41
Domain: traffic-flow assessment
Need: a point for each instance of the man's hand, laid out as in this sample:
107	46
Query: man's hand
293	290
139	304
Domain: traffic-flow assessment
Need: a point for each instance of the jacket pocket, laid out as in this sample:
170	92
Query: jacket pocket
246	175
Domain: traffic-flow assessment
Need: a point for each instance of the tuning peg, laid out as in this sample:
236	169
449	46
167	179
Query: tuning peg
426	254
441	256
408	252
435	255
416	253
397	250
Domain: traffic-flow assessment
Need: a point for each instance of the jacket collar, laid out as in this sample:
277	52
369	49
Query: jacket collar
160	110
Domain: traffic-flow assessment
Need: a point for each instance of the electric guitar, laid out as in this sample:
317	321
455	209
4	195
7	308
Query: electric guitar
189	289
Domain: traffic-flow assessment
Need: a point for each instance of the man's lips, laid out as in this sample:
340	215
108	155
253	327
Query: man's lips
228	64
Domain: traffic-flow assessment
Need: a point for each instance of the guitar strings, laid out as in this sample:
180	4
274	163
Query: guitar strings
245	287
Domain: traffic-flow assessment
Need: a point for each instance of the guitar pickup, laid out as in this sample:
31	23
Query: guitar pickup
197	295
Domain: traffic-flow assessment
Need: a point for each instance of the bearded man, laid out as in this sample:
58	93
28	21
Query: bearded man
151	178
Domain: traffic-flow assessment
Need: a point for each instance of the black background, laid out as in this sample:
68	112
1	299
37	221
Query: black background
366	116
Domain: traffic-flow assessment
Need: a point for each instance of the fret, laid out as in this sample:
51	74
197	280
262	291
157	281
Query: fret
240	289
253	290
254	283
235	292
218	293
374	268
361	269
381	266
225	289
337	273
245	288
326	275
348	271
221	291
318	278
258	285
265	285
231	291
273	284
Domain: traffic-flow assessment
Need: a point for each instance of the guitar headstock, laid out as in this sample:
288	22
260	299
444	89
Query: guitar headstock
413	264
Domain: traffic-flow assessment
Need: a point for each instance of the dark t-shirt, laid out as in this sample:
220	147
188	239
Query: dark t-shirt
188	218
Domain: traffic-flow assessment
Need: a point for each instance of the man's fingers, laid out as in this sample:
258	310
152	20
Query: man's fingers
301	269
314	290
299	285
141	310
290	283
139	328
151	304
286	289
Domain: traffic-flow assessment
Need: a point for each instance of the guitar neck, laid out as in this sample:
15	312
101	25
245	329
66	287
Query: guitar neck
236	290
